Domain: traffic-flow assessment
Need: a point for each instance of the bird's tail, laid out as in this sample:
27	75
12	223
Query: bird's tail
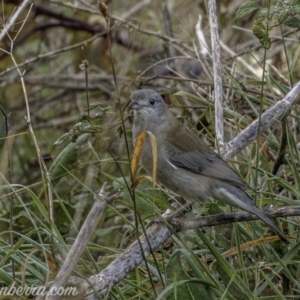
236	197
272	225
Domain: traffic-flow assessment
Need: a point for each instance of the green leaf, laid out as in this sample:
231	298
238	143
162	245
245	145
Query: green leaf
258	32
262	34
296	8
283	16
292	22
67	157
62	138
263	13
266	42
246	9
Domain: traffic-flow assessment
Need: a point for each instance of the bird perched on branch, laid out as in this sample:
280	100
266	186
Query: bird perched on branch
184	164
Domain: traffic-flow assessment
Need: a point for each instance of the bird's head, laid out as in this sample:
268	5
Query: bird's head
148	106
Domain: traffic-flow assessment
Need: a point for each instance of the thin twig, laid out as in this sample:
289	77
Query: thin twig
215	46
168	28
51	53
13	19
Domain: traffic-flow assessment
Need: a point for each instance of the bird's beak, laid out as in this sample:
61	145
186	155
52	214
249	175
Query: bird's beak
134	105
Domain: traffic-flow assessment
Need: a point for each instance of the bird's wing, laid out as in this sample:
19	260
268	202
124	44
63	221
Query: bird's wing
208	164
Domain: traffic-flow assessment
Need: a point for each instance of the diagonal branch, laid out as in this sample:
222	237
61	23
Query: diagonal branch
156	235
268	118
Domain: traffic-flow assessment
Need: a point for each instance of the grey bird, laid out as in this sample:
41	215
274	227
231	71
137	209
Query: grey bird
184	164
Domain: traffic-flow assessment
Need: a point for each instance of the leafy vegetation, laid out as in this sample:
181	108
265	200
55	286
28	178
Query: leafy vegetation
65	83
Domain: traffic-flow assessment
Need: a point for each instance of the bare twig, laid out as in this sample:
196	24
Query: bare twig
61	50
127	261
72	23
201	38
134	9
268	118
241	216
80	243
215	45
168	28
13	19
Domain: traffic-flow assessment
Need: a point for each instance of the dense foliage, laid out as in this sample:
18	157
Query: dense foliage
67	69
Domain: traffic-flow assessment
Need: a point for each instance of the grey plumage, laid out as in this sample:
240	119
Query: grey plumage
184	164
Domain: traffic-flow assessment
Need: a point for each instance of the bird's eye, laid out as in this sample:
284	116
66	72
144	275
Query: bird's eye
152	101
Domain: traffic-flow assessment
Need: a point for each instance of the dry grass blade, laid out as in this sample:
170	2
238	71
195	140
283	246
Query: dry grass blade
137	154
